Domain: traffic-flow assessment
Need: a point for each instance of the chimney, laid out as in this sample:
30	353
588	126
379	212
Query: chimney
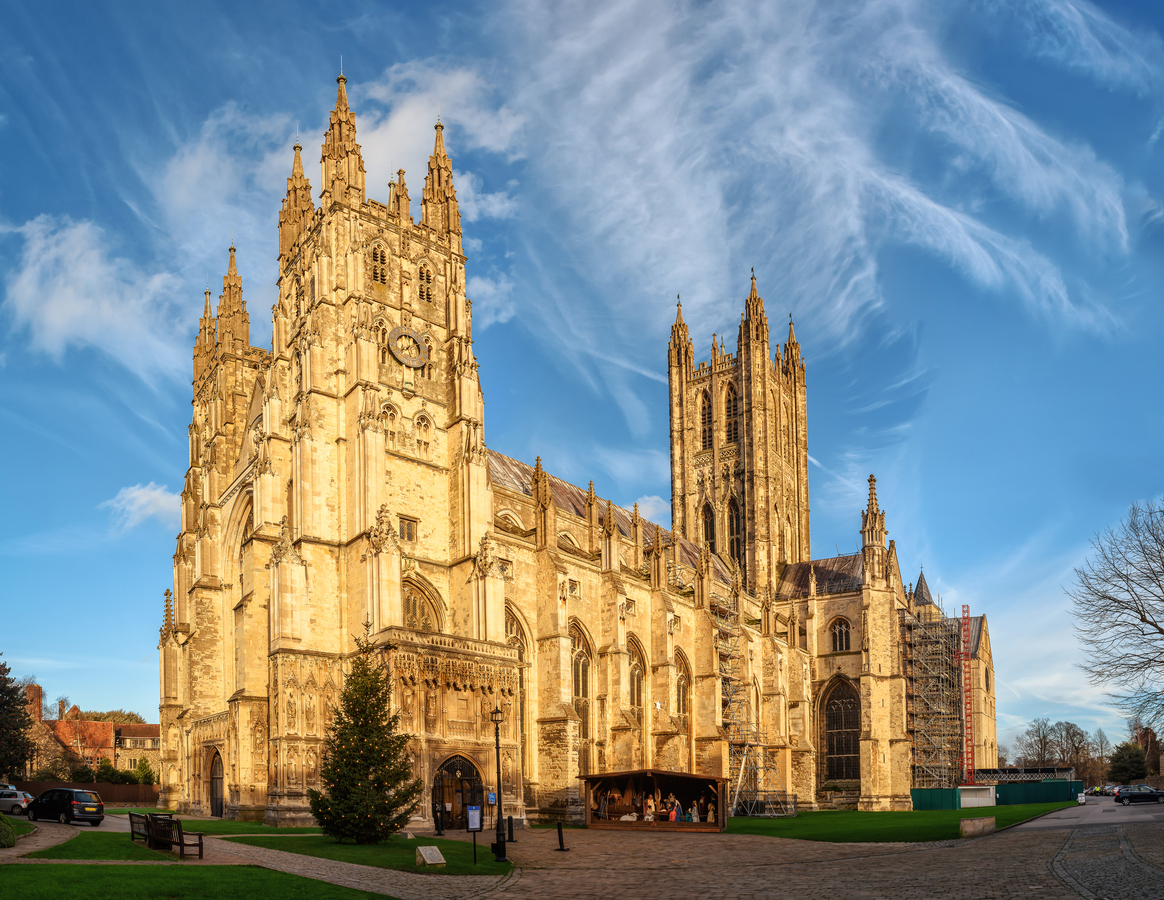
34	700
61	710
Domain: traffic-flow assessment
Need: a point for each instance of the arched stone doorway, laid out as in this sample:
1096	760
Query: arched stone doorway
456	785
216	786
842	733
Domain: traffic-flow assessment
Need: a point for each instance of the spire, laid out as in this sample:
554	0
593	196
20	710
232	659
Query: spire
205	342
680	352
439	210
754	322
234	323
873	536
340	160
792	357
398	202
298	207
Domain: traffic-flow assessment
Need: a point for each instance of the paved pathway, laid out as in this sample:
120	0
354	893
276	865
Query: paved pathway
1124	861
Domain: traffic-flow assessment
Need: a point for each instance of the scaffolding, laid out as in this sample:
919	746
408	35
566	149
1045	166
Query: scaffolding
755	784
932	659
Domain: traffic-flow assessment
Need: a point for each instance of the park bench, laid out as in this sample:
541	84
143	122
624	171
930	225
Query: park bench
162	832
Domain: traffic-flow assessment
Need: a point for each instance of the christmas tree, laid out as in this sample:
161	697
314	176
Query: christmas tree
367	774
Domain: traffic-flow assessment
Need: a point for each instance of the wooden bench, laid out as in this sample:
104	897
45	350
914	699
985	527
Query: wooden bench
139	827
164	832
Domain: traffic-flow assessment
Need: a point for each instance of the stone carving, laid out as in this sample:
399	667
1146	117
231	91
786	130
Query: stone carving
259	739
284	549
308	713
290	712
383	534
486	564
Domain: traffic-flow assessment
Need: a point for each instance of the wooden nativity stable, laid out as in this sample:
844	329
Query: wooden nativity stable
627	792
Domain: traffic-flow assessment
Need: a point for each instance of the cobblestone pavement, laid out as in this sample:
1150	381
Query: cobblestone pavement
1099	861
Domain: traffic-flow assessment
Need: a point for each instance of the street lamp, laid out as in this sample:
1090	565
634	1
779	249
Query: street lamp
497	717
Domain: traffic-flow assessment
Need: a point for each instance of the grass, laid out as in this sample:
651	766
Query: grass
142	810
224	826
83	882
396	853
20	827
850	826
97	845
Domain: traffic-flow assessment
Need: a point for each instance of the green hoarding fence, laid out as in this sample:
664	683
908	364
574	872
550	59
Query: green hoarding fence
1004	794
936	798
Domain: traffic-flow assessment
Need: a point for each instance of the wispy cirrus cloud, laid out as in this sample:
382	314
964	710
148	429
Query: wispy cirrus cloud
133	505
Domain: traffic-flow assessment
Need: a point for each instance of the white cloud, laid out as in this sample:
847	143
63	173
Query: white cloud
655	509
478	204
133	505
492	300
70	290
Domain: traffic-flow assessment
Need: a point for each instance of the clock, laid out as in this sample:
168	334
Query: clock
408	346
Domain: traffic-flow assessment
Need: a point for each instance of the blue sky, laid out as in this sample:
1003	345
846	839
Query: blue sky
962	204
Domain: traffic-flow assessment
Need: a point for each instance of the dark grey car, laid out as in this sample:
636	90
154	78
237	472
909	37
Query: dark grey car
68	805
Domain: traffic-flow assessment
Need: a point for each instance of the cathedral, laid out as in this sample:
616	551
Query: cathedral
340	481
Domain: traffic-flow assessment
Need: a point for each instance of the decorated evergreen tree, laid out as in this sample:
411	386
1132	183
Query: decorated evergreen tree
366	771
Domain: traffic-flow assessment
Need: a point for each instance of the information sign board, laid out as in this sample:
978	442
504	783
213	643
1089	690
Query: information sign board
474	818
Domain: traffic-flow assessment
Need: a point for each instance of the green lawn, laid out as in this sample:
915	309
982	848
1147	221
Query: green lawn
98	845
396	853
225	826
20	826
83	882
850	826
126	810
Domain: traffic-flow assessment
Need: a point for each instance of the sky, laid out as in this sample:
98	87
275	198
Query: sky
961	204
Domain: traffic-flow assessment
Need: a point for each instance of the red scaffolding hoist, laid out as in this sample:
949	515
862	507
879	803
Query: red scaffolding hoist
967	698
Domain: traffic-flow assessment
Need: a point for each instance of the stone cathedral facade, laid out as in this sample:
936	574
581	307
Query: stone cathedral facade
340	480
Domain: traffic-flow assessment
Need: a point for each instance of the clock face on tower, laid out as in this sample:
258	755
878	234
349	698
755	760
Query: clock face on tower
408	346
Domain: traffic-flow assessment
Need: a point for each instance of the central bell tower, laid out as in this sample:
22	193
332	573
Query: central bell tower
739	447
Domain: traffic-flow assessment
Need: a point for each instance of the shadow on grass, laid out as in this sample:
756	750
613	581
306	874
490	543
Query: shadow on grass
85	845
396	853
226	826
170	882
850	826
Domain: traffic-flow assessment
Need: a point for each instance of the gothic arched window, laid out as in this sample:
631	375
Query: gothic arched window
379	265
638	668
424	284
731	416
515	637
423	438
682	686
842	714
580	653
418	611
840	631
736	534
705	422
709	526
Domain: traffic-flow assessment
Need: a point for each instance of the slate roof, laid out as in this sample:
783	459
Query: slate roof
921	593
835	575
516	476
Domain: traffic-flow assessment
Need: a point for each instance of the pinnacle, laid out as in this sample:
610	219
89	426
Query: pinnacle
872	494
754	295
232	269
207	312
341	97
438	149
297	165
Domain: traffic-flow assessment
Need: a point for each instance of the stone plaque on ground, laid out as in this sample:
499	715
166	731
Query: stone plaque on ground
429	856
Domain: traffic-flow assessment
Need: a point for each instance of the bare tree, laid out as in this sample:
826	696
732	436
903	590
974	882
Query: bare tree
1003	755
1119	611
1071	744
1036	745
1100	746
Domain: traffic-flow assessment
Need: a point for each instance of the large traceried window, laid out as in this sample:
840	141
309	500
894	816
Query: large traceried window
705	422
840	632
843	734
580	651
424	284
379	265
638	668
709	526
418	610
736	535
515	637
682	686
731	415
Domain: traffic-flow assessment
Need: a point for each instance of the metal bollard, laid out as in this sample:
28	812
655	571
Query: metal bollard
561	840
511	840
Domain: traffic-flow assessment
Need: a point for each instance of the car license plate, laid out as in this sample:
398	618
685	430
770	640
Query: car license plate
90	809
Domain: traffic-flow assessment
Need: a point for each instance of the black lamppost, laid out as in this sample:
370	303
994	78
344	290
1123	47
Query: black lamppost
497	716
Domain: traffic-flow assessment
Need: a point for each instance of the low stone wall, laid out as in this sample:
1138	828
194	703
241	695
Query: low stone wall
976	827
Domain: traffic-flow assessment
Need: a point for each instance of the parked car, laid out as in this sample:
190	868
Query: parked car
1138	793
68	805
14	802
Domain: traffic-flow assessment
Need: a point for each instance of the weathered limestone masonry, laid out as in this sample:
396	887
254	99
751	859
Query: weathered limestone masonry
341	480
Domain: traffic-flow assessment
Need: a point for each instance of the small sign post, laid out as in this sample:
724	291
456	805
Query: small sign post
473	820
